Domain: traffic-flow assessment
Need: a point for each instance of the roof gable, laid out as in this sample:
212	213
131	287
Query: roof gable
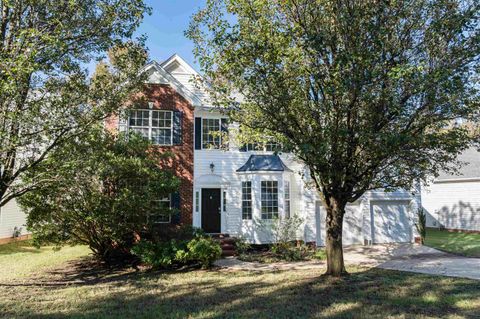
176	64
158	75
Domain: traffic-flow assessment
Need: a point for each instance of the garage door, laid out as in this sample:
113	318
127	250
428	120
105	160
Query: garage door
390	222
352	225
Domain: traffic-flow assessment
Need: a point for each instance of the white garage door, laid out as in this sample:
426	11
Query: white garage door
352	225
390	222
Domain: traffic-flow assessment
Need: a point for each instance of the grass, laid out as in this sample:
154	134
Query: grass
466	244
74	289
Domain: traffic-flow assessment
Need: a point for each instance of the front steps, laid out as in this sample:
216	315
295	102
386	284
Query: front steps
227	243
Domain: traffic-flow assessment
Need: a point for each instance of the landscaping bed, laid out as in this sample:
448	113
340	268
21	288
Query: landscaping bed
269	254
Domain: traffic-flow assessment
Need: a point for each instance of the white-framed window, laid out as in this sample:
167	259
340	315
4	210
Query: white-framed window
247	200
272	146
160	217
197	201
224	206
155	125
211	133
267	147
287	198
269	199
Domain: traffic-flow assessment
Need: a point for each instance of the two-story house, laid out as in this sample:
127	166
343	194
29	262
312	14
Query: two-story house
237	189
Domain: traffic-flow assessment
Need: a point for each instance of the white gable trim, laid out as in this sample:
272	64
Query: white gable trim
176	58
166	78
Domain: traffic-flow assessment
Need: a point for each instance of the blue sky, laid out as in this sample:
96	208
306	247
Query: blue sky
165	27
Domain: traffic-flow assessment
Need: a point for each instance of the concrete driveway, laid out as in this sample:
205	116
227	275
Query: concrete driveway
404	257
414	258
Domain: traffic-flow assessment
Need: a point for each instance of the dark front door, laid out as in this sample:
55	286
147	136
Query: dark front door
211	210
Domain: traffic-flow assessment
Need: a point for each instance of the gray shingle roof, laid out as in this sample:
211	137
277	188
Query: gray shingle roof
470	170
271	163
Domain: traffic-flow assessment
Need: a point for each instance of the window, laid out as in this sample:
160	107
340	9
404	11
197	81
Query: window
287	199
197	202
211	133
163	215
252	147
266	147
272	146
246	200
224	202
161	127
269	199
154	125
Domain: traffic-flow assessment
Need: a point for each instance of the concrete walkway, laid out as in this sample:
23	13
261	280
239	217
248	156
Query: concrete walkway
403	257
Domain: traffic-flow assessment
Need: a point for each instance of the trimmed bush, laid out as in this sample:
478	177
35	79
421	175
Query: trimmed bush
200	250
204	250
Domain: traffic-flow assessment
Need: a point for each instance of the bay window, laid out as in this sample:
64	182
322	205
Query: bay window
269	199
247	200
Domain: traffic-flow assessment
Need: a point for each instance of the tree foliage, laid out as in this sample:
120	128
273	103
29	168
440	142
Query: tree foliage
46	94
363	92
103	191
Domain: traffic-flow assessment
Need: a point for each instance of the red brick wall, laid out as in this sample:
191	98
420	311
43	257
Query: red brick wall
164	97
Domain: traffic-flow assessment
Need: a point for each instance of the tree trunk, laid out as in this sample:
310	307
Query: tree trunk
334	225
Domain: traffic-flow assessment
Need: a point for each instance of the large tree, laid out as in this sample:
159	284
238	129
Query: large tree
46	94
104	192
363	92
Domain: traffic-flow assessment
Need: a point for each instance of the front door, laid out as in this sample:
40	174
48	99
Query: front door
211	205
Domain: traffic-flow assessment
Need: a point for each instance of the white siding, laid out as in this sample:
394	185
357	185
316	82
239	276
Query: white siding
454	205
357	223
189	82
11	216
226	163
304	198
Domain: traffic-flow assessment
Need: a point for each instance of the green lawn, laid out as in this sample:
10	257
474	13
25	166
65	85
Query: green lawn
66	284
458	243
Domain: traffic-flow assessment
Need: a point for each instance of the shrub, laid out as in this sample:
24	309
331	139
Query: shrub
241	245
175	253
284	236
421	224
290	251
205	250
182	232
159	255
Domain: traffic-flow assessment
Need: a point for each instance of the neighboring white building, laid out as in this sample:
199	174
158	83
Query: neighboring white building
12	221
453	201
228	199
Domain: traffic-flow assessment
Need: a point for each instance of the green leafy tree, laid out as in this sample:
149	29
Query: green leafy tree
361	91
46	94
103	191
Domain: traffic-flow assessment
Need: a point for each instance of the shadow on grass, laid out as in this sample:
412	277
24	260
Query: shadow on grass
20	246
371	293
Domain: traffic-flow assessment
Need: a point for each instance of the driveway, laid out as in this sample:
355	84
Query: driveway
403	257
414	258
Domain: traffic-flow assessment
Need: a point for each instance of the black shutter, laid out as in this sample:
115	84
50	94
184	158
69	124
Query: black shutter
198	133
177	127
176	207
224	128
